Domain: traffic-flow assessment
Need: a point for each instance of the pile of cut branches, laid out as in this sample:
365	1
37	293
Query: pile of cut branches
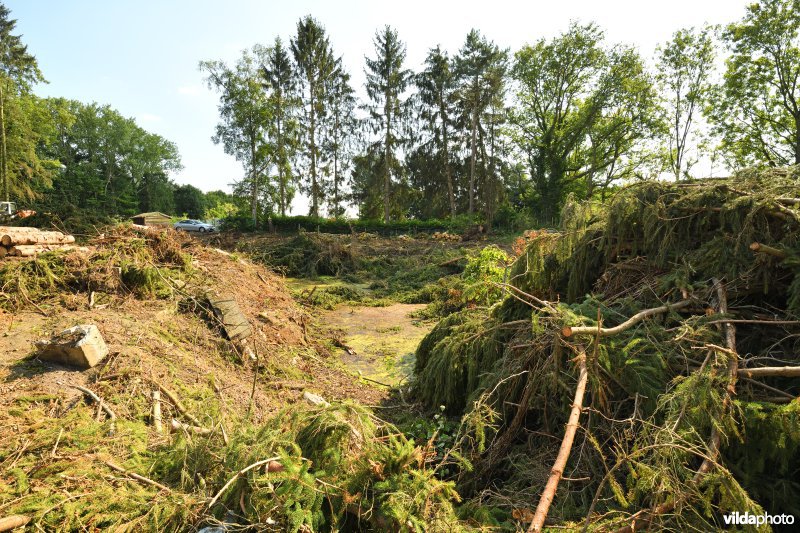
643	362
124	260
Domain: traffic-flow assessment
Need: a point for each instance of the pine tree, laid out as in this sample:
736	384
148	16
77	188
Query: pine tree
387	80
436	87
475	63
18	70
315	67
340	136
280	80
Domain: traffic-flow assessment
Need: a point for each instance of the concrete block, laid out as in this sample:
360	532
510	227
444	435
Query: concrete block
80	346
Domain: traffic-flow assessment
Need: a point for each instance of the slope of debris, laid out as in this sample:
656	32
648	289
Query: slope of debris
647	352
67	462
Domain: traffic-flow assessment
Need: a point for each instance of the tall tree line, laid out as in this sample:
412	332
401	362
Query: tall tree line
480	132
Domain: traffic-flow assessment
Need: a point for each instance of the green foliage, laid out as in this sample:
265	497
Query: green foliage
316	67
684	67
340	465
654	401
389	109
189	201
483	273
292	224
112	167
245	114
279	76
765	458
582	106
757	108
309	255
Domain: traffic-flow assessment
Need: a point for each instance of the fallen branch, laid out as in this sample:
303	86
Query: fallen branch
641	519
569	331
97	399
13	522
156	394
770	371
779	392
137	477
753	321
272	466
197	430
769	250
177	403
566	447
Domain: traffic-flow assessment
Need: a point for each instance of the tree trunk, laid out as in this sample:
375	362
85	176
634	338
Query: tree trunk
474	150
3	166
313	142
492	181
387	175
446	147
253	183
336	178
796	139
281	183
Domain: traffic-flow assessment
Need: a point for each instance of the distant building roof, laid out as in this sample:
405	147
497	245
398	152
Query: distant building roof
151	214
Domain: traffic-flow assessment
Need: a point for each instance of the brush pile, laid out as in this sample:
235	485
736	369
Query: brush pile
27	242
122	261
643	364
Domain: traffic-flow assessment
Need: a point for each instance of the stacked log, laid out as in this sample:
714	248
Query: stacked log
27	242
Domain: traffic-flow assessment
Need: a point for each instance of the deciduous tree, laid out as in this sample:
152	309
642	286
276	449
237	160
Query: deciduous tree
245	117
581	106
757	110
683	68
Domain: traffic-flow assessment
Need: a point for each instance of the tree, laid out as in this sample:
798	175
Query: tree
480	68
570	90
315	66
190	201
386	82
220	204
436	89
280	80
757	110
682	72
111	166
245	116
18	71
341	133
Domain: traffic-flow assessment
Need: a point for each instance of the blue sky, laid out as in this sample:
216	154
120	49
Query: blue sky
141	56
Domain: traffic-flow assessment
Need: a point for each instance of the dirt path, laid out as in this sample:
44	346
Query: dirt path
382	339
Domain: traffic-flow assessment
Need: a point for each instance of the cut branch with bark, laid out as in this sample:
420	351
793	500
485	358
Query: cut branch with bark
570	331
768	250
557	471
770	371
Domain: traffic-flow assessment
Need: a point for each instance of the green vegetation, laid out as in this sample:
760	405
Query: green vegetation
333	467
659	393
147	266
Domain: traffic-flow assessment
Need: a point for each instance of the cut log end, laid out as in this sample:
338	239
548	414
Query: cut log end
566	331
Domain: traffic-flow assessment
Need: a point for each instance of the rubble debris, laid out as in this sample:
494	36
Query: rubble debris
230	317
82	346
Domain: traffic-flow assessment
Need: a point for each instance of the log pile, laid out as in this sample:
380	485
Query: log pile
28	242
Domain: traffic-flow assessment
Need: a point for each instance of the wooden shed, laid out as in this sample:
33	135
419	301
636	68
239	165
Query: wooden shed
152	219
